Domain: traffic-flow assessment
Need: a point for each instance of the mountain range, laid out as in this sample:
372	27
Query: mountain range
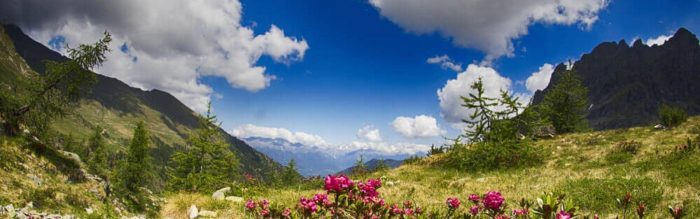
314	160
116	107
627	84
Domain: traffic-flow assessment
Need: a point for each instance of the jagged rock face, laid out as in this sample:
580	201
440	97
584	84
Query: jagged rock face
628	84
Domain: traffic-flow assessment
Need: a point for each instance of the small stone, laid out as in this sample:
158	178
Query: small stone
481	179
221	193
234	199
205	213
38	181
10	210
89	211
192	212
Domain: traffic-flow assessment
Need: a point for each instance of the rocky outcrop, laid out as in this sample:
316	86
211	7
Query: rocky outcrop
628	84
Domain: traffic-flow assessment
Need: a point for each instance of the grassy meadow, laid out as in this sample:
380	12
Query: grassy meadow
593	169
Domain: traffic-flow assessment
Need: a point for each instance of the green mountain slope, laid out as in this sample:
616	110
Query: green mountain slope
116	107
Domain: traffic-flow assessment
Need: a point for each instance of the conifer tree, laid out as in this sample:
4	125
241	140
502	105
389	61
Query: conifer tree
97	162
50	94
135	172
360	168
480	121
207	163
381	166
565	105
290	175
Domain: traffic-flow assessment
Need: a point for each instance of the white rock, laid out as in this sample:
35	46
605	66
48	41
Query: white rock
205	213
481	180
221	193
192	212
10	210
234	199
89	211
659	126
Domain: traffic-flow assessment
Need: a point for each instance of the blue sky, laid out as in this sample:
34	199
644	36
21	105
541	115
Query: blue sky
320	71
363	69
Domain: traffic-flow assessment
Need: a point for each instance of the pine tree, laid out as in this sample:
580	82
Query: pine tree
381	166
97	162
480	121
50	94
207	164
135	173
360	168
290	175
565	105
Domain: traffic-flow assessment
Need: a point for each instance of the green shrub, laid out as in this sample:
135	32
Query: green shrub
495	155
672	116
599	195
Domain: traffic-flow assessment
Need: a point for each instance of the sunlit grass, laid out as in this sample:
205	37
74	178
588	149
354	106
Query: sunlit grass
577	164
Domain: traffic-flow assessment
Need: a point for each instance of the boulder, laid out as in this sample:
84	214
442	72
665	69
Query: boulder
193	212
234	199
659	127
221	193
205	213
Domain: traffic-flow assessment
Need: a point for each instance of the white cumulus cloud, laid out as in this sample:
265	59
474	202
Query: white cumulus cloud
421	126
250	130
660	40
445	62
449	96
539	79
369	133
487	25
169	44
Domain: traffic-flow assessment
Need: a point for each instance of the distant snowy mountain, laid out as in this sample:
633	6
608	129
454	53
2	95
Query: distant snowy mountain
314	160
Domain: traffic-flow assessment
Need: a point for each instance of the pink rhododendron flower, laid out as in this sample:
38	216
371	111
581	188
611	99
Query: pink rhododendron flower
501	216
453	202
408	211
265	204
250	205
520	212
493	200
265	212
308	205
396	210
320	198
474	210
474	198
563	215
337	183
287	213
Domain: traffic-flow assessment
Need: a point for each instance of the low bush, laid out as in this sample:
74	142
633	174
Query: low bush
484	156
672	116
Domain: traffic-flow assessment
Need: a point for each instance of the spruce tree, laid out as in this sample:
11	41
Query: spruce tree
135	173
207	163
97	158
290	175
565	105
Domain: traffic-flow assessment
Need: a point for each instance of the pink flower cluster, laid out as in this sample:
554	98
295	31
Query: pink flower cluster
493	200
263	205
453	203
338	183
